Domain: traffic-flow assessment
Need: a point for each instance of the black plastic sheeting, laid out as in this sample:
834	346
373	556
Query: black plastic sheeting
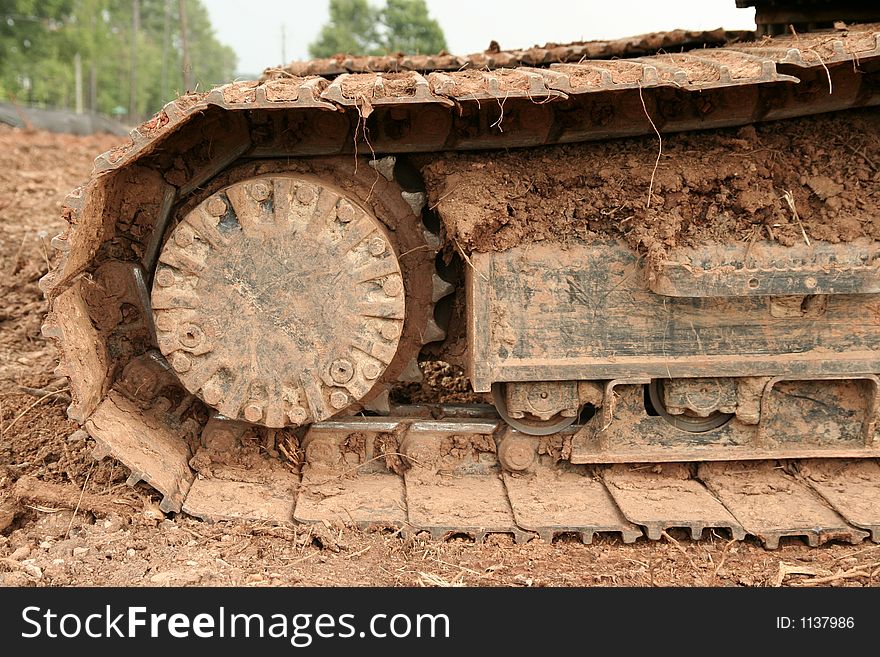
59	120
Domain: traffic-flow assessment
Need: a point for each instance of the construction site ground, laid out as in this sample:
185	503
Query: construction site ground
66	519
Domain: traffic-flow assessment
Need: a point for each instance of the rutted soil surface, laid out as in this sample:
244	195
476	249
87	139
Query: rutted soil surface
817	177
118	536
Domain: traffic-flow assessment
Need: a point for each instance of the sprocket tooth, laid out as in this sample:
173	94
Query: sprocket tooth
440	288
381	403
433	332
412	373
416	201
385	166
431	239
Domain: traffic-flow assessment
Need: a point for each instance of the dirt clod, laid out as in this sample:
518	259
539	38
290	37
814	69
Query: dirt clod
710	186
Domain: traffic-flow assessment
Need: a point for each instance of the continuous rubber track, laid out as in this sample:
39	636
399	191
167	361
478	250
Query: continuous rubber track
440	476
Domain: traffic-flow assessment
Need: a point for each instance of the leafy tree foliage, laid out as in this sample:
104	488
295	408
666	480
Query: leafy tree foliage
357	28
353	28
40	38
409	28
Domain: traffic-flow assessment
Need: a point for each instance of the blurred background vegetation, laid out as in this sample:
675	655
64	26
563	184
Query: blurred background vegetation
356	27
126	54
127	58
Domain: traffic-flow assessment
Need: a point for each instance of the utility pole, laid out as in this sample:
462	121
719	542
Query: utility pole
93	87
78	82
93	71
283	44
187	67
135	29
166	46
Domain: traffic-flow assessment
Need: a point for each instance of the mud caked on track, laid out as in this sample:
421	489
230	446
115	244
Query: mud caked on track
708	187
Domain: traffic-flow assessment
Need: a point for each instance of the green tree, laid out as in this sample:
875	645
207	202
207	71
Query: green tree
353	28
409	29
212	62
33	41
39	40
357	28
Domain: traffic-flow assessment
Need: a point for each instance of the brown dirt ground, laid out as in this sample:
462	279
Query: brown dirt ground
118	536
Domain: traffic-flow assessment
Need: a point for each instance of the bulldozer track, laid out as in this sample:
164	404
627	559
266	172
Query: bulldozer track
444	477
470	473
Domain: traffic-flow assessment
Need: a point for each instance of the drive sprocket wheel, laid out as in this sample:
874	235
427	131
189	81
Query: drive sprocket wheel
280	297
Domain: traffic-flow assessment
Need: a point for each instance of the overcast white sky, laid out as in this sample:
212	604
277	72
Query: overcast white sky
253	28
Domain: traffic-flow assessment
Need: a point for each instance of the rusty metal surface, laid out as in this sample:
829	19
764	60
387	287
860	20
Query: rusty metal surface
147	422
219	499
346	479
536	317
553	501
772	505
774	418
851	487
446	480
367	500
456	456
448	505
150	448
132	403
768	269
540	106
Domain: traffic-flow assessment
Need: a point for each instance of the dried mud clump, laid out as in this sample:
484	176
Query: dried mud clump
388	445
355	443
460	446
364	86
443	383
779	181
557	447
